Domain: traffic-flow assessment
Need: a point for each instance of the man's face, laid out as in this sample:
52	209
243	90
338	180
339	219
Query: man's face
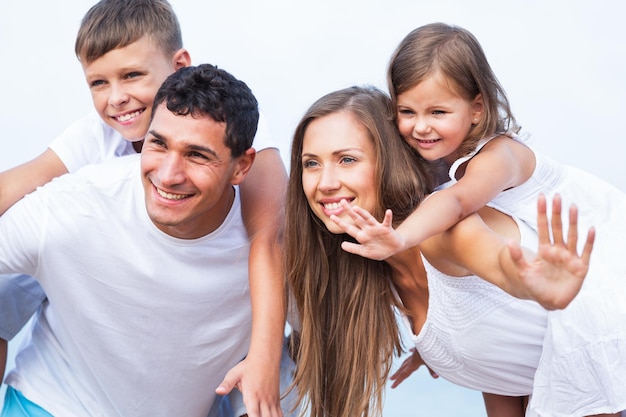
187	172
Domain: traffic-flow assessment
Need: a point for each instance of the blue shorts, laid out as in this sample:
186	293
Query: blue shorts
16	405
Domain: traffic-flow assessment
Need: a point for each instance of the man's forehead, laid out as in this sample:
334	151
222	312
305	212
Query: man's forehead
196	130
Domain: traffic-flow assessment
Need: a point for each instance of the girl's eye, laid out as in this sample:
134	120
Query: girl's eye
405	111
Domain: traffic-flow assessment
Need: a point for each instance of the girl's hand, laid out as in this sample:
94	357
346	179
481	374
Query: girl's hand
377	240
410	365
556	274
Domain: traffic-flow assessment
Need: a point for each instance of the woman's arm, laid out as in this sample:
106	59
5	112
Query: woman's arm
503	406
262	196
23	179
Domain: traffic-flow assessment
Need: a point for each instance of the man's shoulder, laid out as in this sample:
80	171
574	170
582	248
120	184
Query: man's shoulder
112	170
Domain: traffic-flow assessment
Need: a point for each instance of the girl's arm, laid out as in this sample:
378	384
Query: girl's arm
262	196
487	246
23	179
501	164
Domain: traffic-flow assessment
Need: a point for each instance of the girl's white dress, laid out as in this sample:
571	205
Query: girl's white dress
582	370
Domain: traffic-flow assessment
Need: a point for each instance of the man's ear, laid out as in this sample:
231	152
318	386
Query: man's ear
242	166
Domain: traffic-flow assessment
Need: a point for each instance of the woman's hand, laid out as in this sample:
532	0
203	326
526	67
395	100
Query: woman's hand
410	365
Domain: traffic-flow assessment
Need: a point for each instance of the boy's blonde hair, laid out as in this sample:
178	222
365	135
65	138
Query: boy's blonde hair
112	24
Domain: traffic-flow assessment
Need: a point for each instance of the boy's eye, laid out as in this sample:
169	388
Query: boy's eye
96	83
439	112
134	74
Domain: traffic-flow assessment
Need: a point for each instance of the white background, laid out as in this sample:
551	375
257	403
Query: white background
561	62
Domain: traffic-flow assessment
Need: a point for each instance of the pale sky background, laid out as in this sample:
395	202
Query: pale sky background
562	63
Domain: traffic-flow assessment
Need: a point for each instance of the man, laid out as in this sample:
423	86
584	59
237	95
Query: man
144	262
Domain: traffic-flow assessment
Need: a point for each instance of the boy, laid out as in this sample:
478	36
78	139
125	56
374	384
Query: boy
126	49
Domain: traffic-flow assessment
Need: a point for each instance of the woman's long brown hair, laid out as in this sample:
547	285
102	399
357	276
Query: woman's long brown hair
349	332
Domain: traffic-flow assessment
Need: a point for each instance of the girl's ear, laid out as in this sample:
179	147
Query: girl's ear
477	108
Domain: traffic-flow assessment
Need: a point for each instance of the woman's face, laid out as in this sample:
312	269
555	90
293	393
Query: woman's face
338	163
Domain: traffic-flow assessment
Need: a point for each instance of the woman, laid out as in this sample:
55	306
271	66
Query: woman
347	148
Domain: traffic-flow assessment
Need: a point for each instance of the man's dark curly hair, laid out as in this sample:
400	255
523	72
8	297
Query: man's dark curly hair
206	90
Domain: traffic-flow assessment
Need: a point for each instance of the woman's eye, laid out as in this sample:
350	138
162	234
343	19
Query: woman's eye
309	164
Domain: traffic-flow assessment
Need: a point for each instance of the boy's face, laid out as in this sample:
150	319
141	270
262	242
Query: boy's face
124	81
187	172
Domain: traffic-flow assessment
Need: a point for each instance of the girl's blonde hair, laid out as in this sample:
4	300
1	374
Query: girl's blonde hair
455	53
349	332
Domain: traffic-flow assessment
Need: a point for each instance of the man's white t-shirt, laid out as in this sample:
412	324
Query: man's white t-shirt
87	141
138	323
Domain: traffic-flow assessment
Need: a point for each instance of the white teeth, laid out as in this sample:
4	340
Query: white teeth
171	196
128	116
332	206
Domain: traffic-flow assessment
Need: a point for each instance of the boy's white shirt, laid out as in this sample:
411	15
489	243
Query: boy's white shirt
89	140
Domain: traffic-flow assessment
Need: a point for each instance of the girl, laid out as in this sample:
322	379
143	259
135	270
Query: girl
346	147
452	110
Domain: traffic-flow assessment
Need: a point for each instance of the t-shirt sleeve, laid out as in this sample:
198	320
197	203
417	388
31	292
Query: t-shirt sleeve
89	141
263	138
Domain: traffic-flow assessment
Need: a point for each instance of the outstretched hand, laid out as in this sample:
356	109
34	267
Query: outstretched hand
410	365
377	240
260	396
556	274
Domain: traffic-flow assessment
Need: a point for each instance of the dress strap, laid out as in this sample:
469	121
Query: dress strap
455	166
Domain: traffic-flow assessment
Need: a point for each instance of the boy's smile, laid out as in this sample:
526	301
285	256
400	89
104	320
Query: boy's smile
123	83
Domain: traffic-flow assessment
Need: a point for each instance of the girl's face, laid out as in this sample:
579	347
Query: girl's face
338	163
435	120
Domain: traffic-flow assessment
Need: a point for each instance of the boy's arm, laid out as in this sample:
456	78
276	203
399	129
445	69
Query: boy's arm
501	164
23	179
262	195
4	348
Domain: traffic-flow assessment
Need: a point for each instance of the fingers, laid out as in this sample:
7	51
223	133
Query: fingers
591	236
226	386
557	221
542	220
572	232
